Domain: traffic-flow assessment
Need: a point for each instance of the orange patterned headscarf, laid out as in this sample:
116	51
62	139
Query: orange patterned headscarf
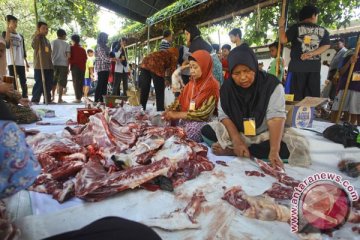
201	89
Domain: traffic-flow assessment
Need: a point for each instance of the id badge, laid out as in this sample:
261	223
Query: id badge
46	49
249	127
356	76
289	97
307	39
192	106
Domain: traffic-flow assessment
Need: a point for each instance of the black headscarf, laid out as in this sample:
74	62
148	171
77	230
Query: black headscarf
196	41
239	103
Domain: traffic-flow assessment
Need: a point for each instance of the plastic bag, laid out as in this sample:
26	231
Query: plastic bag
169	97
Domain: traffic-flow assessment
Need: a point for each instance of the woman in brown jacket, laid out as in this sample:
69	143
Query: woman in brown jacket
155	66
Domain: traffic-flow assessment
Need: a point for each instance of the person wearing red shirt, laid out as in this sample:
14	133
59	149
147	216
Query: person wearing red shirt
225	50
78	65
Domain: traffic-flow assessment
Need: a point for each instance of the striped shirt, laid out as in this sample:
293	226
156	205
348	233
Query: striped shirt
164	45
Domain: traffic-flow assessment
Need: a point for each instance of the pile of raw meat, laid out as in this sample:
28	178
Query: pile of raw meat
265	206
117	150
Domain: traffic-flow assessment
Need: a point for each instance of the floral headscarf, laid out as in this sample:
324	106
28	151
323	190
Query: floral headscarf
18	165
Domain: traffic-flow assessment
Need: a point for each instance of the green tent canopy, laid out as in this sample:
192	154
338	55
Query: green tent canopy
138	10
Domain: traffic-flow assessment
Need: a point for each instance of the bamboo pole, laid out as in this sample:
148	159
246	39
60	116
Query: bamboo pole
36	12
219	39
40	58
43	80
283	14
348	80
14	66
148	40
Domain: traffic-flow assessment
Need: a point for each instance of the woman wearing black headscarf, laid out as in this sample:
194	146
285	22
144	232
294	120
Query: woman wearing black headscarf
195	42
251	111
194	39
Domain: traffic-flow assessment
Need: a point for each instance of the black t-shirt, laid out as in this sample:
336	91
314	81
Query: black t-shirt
306	37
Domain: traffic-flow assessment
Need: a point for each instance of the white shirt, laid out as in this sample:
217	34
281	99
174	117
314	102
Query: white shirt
60	48
176	80
18	48
119	67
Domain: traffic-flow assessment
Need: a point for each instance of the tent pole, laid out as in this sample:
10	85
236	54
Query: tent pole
284	13
148	40
219	39
36	12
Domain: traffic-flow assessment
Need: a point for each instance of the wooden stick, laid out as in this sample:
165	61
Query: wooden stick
14	66
43	80
36	12
351	70
40	58
277	69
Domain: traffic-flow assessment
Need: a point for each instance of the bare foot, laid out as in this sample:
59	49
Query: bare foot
219	151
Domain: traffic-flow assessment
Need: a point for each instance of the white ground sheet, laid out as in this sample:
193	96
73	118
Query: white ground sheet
39	216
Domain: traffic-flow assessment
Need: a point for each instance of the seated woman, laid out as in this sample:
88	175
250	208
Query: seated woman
252	115
155	66
19	169
17	106
9	98
198	100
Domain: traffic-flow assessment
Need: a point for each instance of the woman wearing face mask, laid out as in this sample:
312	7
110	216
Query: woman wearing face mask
252	115
198	100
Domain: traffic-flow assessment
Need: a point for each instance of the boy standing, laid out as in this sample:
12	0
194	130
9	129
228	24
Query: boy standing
166	41
78	64
89	72
16	49
308	41
42	46
235	36
60	58
225	50
272	68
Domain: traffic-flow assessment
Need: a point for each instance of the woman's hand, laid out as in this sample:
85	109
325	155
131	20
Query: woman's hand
173	115
185	66
169	115
275	160
240	149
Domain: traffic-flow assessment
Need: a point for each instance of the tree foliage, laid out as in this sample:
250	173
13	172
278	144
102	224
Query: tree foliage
260	26
76	14
71	13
